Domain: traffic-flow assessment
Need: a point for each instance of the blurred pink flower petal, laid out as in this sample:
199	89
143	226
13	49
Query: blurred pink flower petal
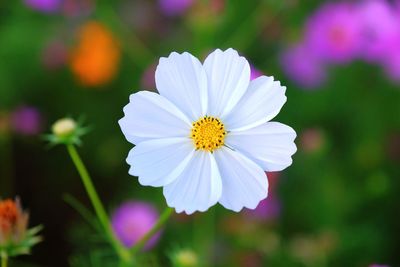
391	62
54	54
174	7
379	35
26	120
269	208
254	73
148	82
334	32
302	66
44	5
132	220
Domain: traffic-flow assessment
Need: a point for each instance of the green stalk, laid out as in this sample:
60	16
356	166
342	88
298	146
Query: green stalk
4	260
98	206
161	221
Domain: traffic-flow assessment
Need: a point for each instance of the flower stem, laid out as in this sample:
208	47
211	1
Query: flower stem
4	260
161	221
98	206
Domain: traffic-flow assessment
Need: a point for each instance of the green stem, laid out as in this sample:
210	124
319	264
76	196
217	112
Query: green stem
204	235
4	260
161	221
98	206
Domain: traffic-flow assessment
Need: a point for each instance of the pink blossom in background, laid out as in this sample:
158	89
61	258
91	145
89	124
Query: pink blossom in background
380	28
391	62
44	5
132	220
148	82
378	265
26	120
333	32
74	8
392	67
303	67
269	208
54	54
311	140
340	32
254	73
174	7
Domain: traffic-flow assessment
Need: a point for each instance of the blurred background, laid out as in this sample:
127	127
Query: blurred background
337	205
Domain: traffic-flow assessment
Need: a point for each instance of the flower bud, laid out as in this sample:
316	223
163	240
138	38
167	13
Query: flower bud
185	258
64	127
15	237
13	221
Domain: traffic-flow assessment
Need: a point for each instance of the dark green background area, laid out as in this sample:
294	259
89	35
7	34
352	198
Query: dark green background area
347	191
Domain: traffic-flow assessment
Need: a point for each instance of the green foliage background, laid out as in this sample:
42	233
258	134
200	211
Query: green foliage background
339	203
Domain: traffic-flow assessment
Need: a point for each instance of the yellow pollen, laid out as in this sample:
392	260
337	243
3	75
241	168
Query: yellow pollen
208	133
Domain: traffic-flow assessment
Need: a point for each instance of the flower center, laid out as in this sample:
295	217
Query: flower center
208	133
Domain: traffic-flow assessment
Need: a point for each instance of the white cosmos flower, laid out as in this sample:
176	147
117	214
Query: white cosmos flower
206	138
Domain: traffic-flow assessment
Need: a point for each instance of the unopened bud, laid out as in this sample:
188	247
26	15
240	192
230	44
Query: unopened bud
64	127
186	258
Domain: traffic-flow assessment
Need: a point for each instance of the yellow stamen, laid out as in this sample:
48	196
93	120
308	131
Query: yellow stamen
208	133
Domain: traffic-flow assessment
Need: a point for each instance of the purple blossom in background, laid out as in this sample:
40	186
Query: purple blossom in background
303	67
391	62
391	57
47	6
174	7
380	28
378	265
333	33
26	120
254	73
269	208
148	82
132	220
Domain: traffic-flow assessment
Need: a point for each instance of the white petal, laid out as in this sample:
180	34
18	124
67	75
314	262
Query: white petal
262	102
244	183
159	162
228	77
182	80
149	115
271	145
198	187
